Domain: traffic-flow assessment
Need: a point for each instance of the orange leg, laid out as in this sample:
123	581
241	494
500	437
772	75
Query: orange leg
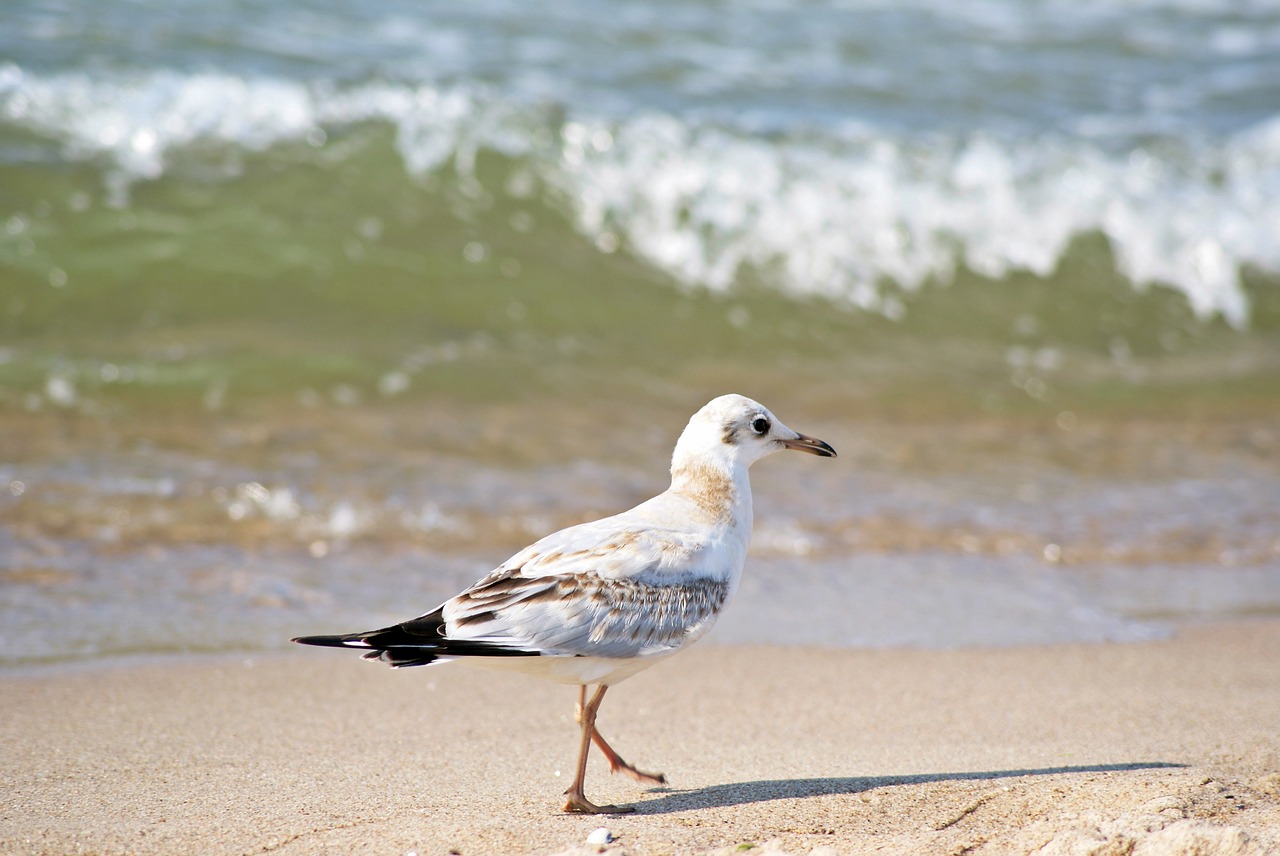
616	763
577	801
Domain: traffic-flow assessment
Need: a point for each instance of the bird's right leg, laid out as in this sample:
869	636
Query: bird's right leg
618	765
616	762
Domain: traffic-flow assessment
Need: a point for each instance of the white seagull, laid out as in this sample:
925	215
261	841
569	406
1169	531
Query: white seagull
598	602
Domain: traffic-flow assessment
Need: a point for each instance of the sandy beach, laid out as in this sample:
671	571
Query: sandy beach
1159	747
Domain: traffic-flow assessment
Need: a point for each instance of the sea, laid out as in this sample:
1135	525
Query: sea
311	313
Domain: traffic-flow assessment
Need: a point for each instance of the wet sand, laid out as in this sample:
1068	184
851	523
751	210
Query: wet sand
1154	747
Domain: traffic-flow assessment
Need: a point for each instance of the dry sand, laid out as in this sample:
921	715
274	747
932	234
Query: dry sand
1166	747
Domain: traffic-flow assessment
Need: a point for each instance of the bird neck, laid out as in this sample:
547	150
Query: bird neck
716	487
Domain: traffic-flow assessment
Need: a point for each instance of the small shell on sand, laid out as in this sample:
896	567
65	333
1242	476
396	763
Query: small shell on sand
600	836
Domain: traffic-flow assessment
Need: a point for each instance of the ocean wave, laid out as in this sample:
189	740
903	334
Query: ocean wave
855	215
841	218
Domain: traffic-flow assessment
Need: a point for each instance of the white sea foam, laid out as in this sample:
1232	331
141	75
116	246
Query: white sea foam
836	214
840	218
137	121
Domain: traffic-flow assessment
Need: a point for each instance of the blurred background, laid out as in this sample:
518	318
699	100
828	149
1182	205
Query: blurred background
310	313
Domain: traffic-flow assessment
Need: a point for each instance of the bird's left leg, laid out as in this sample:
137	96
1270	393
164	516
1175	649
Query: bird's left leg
616	762
577	801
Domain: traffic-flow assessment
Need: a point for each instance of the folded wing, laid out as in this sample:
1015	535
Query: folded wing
548	601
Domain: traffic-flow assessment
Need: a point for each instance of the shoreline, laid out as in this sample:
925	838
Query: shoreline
1142	747
1161	629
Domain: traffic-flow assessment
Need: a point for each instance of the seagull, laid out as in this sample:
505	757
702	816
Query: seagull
595	603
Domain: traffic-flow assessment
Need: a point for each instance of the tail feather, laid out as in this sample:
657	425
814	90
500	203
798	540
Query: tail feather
418	642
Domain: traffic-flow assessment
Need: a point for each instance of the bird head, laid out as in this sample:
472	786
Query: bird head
733	430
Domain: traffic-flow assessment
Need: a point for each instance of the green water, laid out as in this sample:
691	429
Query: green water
304	275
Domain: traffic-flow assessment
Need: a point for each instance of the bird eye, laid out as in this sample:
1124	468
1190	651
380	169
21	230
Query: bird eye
760	425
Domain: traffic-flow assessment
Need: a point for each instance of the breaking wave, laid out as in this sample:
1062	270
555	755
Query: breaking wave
854	213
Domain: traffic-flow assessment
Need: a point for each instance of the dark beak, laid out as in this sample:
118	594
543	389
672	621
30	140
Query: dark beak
812	445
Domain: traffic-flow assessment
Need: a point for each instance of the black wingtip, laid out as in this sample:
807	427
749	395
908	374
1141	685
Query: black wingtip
327	641
419	642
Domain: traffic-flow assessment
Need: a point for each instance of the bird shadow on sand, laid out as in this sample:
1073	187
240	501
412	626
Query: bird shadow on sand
742	793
